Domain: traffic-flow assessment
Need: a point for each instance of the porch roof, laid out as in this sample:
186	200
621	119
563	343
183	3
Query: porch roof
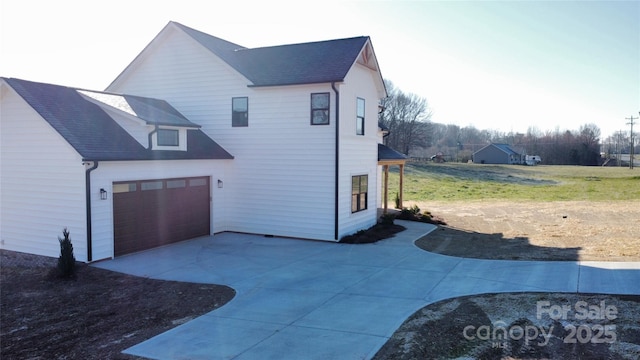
387	155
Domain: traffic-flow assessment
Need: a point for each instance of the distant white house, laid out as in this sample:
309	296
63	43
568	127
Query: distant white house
196	136
532	159
497	154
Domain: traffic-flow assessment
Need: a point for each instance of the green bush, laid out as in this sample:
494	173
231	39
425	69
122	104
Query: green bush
409	213
413	214
66	261
387	219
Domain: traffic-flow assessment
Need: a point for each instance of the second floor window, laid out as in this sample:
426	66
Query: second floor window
240	111
320	109
360	116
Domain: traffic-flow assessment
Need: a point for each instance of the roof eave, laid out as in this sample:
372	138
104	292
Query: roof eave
297	83
147	158
185	126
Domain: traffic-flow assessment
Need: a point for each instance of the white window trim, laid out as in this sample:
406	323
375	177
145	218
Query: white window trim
182	139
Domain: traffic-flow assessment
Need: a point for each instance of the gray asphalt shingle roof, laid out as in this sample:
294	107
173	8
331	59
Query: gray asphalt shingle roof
387	153
96	136
506	148
152	111
305	63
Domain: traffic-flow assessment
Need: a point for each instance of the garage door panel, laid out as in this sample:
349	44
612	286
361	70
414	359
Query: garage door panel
151	213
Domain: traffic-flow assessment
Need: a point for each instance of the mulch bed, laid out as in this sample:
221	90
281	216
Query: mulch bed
510	326
373	234
95	315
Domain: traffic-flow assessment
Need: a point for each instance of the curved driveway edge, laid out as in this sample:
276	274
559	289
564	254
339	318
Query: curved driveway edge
319	300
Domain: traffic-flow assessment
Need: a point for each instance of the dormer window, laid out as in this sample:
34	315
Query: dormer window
168	137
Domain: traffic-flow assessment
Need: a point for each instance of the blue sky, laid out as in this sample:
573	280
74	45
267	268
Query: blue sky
495	65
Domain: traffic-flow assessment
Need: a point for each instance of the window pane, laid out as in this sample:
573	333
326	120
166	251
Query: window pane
355	185
360	126
240	111
151	185
360	107
363	201
320	101
198	182
167	137
320	109
174	184
241	104
121	188
359	185
360	116
320	117
240	119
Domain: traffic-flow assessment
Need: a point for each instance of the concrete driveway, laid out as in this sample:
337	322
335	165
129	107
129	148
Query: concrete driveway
302	299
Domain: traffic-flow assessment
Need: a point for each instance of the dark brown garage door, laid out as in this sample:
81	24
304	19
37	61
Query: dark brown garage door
151	213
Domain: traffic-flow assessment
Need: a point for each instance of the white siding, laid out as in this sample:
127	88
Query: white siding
284	166
42	182
358	154
282	178
109	172
380	175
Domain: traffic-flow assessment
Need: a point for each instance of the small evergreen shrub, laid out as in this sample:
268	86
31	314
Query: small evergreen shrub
397	201
387	219
66	261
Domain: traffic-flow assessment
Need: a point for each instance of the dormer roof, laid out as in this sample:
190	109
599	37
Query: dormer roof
152	111
95	135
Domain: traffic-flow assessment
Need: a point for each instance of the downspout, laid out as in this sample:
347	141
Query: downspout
87	178
337	167
155	130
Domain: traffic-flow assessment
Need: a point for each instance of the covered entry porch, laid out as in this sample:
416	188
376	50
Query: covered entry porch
388	157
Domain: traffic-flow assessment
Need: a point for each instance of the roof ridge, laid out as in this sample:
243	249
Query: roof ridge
80	88
9	79
191	32
305	43
240	47
314	62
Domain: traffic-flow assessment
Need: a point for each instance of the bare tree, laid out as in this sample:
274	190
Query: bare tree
590	134
589	139
407	117
532	140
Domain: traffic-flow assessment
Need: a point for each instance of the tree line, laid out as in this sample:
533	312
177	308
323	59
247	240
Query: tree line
408	118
